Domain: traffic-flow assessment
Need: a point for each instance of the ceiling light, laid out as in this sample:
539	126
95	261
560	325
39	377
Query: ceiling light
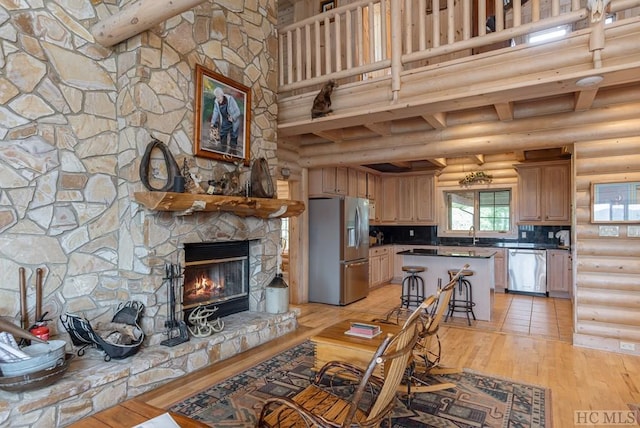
589	81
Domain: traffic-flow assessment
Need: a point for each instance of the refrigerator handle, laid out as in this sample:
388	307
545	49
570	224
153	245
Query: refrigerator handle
358	231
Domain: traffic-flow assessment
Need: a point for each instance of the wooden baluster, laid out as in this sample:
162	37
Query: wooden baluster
298	54
451	22
307	53
289	57
482	18
349	39
338	40
422	24
435	16
318	49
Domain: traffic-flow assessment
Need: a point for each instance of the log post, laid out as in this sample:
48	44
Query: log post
138	17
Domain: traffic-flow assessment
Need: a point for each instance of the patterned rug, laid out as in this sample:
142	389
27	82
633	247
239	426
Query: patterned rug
477	401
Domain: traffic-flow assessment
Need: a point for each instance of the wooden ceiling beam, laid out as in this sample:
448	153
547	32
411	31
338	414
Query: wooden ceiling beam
382	128
439	162
333	135
584	99
478	159
399	164
504	110
138	17
520	155
436	120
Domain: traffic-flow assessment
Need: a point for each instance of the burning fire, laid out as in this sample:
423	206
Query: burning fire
204	288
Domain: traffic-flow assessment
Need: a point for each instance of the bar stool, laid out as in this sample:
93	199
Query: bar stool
412	287
464	301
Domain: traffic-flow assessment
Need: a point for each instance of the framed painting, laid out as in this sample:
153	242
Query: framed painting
222	116
327	5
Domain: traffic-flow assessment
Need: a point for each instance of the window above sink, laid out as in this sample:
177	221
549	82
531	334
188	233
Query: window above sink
484	212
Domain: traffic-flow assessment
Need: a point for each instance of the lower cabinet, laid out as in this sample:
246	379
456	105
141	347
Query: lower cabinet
500	269
380	266
559	273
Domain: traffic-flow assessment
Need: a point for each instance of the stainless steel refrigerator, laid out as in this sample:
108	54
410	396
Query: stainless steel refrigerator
338	250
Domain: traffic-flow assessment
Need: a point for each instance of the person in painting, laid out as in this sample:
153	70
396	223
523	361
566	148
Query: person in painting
226	119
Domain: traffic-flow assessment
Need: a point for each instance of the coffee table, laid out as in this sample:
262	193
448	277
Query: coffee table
332	344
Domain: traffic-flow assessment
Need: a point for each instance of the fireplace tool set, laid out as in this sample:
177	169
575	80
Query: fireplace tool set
175	329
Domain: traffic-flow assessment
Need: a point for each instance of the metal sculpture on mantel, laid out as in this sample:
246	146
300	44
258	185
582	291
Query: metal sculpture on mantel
175	329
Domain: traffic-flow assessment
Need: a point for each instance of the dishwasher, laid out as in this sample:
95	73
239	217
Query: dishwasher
527	271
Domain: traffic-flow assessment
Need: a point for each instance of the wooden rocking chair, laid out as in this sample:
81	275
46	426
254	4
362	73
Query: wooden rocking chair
325	402
426	354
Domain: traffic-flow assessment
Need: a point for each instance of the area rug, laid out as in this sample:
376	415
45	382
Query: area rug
477	401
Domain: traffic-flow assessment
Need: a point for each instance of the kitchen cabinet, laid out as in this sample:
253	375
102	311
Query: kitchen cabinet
357	183
500	269
408	200
559	273
389	206
544	193
330	181
425	201
379	265
373	183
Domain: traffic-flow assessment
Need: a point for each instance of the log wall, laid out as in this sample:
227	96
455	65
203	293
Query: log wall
607	269
500	167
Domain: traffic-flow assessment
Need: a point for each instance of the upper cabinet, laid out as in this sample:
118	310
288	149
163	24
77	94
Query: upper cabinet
544	193
331	181
408	200
342	181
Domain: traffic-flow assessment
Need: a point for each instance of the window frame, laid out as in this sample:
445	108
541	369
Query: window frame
443	224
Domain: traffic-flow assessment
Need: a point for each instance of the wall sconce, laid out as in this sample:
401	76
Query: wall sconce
478	177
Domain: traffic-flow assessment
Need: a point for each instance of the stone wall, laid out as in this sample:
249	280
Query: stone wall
75	119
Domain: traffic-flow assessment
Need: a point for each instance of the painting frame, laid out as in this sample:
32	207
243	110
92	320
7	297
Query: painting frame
229	139
327	5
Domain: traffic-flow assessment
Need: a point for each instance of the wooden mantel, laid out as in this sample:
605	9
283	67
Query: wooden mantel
188	203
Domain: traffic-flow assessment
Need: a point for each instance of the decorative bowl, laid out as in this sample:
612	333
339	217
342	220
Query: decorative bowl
37	379
43	356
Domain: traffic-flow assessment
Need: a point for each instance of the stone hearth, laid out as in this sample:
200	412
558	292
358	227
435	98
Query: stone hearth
91	384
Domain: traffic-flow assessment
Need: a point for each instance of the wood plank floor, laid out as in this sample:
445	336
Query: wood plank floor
580	378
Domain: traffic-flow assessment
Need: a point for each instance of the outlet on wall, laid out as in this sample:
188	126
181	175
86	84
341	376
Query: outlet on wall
550	235
411	232
523	234
626	346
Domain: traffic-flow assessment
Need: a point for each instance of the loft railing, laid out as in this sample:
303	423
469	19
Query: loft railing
368	39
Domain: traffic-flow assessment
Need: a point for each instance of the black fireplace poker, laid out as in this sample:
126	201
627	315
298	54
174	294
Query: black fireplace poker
175	329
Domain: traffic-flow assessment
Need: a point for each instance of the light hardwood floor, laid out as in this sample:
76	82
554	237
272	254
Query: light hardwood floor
579	378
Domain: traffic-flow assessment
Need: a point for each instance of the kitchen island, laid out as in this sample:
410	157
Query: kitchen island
438	263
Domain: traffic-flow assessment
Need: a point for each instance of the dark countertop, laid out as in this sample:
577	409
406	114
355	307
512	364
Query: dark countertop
528	245
447	253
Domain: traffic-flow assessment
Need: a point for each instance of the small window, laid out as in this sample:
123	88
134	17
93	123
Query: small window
550	34
488	211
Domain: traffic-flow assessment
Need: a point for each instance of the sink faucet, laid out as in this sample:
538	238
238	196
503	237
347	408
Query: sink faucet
472	232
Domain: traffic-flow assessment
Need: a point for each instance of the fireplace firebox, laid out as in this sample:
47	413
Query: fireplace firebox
216	274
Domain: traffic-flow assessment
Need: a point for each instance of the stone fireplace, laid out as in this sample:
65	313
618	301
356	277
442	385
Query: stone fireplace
71	165
216	274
